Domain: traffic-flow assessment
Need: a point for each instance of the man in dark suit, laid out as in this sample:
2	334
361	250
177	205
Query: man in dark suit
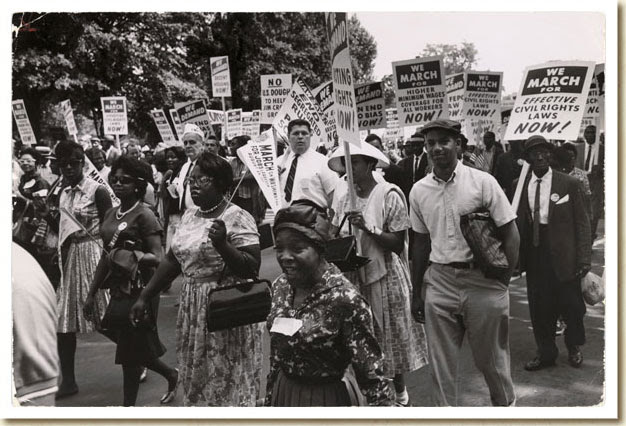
415	165
555	252
392	173
592	162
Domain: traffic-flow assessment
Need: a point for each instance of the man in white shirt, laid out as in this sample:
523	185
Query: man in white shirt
304	173
458	297
193	137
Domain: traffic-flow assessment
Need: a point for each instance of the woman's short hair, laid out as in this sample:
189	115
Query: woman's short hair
33	153
65	149
139	170
241	140
93	152
217	168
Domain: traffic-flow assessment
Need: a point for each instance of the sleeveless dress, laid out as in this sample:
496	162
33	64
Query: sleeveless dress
80	262
221	368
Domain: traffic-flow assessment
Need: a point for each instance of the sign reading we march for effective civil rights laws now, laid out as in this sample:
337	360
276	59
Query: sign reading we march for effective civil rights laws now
220	77
23	123
370	105
114	118
343	82
420	90
481	104
274	91
551	101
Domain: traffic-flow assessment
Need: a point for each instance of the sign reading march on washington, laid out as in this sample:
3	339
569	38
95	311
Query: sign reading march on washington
551	101
163	126
455	90
343	83
220	77
23	123
114	118
420	90
274	91
68	114
370	106
324	97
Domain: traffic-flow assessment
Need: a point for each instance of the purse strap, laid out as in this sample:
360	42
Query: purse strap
341	226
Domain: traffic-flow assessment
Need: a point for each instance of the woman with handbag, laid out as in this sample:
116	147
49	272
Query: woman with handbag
319	323
87	202
381	223
220	368
132	237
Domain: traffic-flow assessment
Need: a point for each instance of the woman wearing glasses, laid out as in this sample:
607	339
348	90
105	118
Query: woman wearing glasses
87	202
132	234
30	181
216	243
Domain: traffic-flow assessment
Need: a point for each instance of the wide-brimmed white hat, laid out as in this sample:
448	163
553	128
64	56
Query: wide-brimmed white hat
366	150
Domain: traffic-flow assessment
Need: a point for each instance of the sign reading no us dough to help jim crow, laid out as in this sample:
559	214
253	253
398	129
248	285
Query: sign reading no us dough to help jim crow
370	105
114	117
160	120
220	77
420	90
274	91
343	81
23	123
551	100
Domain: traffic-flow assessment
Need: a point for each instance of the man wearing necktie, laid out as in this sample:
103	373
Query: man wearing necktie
415	164
192	138
555	252
594	166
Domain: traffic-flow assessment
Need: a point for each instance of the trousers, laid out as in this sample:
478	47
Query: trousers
459	302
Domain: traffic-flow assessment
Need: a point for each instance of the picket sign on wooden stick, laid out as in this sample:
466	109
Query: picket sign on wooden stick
520	185
348	159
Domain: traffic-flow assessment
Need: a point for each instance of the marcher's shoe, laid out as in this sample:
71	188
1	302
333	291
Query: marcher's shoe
537	364
575	357
172	386
65	391
402	398
144	375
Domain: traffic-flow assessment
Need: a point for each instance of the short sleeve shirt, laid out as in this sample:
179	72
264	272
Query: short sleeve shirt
137	225
436	208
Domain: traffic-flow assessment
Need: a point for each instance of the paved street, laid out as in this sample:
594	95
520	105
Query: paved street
100	380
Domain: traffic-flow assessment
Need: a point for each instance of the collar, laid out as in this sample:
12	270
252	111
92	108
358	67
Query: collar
460	167
78	187
544	178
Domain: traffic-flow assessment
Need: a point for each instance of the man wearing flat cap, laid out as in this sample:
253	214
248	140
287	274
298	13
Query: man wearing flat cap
458	297
193	138
555	252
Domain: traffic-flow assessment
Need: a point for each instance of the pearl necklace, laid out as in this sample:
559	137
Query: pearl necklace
212	209
119	216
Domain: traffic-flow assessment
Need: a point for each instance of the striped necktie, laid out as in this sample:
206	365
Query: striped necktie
290	178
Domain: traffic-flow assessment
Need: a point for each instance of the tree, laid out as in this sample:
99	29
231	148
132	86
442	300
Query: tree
362	51
456	58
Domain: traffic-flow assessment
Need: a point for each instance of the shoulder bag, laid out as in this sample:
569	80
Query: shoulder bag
342	251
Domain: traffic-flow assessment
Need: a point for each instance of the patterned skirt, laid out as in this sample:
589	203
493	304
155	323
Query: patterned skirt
172	224
220	368
80	267
290	392
401	338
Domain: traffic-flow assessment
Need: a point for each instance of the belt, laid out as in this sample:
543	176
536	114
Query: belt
459	265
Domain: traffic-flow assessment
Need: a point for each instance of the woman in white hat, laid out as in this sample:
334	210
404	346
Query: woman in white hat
380	223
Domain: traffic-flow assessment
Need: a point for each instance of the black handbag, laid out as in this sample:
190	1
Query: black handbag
342	251
238	304
480	232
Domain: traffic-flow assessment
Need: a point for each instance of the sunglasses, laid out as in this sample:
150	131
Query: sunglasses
65	163
201	181
123	180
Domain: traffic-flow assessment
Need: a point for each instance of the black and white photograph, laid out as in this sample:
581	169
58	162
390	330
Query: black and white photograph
308	206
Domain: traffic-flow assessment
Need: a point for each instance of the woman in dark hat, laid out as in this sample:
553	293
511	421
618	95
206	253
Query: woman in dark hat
132	235
319	323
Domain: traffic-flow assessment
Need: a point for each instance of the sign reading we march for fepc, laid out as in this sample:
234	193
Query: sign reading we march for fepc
370	106
343	82
23	123
220	77
551	101
455	90
420	90
274	91
114	118
163	126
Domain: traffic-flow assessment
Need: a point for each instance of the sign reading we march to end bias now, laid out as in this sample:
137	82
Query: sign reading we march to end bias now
551	101
114	117
370	105
420	90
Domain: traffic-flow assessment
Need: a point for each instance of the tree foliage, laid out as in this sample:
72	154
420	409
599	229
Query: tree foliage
157	59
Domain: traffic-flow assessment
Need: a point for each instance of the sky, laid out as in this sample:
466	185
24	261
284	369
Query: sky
506	42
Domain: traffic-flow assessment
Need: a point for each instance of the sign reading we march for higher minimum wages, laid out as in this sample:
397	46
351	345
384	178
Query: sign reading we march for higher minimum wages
551	101
343	82
420	90
114	118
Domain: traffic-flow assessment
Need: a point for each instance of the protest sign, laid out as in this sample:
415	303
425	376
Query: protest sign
481	104
261	159
68	115
370	105
250	124
455	91
220	77
114	118
233	123
23	123
393	130
301	103
195	112
551	100
420	86
178	125
274	91
90	171
158	115
343	83
324	97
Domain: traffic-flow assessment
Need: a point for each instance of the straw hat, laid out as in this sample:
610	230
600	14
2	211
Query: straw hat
366	150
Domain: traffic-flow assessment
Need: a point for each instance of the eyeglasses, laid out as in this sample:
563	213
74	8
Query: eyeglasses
123	180
72	163
201	181
26	161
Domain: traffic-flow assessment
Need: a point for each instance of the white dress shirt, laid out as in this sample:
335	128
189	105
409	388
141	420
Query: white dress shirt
544	195
180	186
